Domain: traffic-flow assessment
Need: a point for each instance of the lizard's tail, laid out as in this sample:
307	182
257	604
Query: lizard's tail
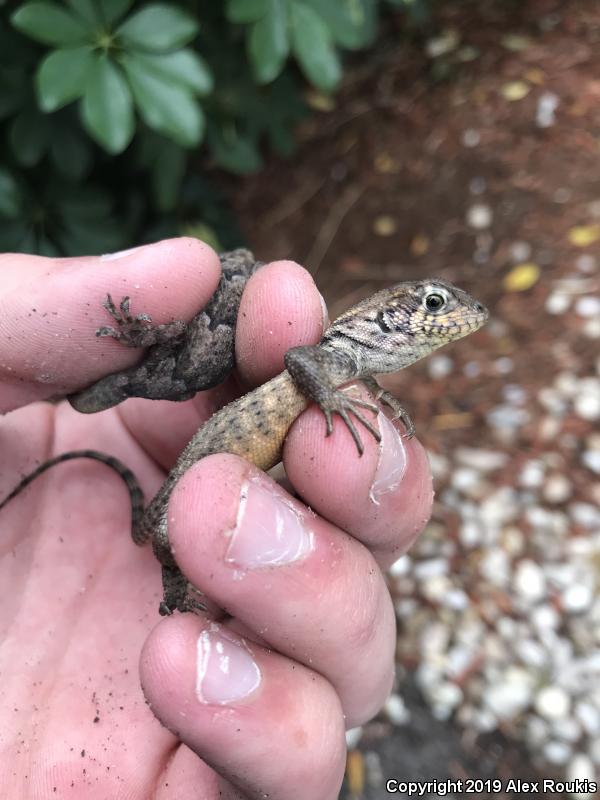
135	493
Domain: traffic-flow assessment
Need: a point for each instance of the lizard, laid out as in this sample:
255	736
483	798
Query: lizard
384	333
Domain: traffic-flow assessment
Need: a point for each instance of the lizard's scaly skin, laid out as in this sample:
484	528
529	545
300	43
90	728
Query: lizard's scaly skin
384	333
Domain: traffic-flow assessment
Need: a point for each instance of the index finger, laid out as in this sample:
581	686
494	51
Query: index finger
50	310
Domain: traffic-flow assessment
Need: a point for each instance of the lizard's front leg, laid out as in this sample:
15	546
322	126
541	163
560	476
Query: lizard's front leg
319	373
182	357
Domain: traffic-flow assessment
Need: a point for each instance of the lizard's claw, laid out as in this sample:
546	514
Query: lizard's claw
399	411
129	328
138	330
344	404
388	399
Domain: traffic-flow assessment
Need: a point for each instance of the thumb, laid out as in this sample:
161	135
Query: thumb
51	308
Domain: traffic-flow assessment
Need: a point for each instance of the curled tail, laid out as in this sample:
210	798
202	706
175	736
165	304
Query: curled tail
135	493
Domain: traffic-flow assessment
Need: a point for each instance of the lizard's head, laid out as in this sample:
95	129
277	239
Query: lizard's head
434	311
404	323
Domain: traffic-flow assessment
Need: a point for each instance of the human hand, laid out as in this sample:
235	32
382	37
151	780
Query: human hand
309	645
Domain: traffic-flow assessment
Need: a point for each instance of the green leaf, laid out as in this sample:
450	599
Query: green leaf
242	11
184	67
166	108
71	153
352	23
113	10
158	27
235	153
167	174
106	108
62	76
10	101
11	197
28	136
313	47
11	234
268	43
87	10
45	247
50	23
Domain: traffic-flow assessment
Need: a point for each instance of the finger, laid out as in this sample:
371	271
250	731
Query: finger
280	308
272	727
383	498
308	589
51	308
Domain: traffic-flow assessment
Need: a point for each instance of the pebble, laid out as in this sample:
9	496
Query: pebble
577	598
532	653
514	394
444	697
479	216
436	589
532	474
557	303
432	567
477	185
465	479
472	369
557	752
471	137
595	751
562	195
480	459
440	366
505	417
591	328
552	703
587	263
545	618
557	488
443	44
585	514
529	581
396	710
546	107
519	251
581	768
499	507
511	694
588	306
536	731
470	534
589	717
504	365
552	401
400	567
591	460
587	403
568	729
353	737
495	567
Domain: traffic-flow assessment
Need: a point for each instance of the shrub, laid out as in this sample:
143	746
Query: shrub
104	102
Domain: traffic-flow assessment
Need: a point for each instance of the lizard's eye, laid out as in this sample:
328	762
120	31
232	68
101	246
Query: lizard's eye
435	301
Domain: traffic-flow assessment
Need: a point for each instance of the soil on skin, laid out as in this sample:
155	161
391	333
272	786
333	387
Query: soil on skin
380	191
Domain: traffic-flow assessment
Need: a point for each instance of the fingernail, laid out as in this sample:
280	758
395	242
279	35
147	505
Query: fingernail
324	311
392	460
225	670
121	253
269	531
